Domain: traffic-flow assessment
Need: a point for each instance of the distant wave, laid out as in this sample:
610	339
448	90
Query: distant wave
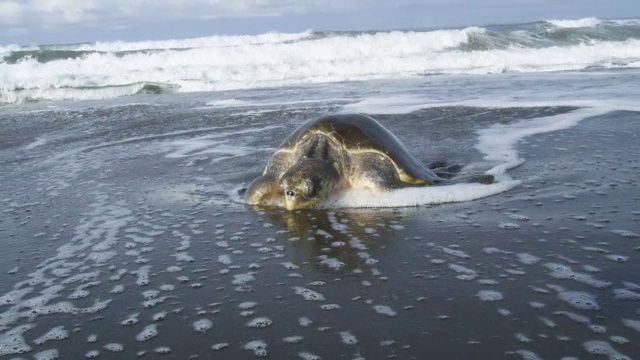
80	93
218	63
201	42
579	23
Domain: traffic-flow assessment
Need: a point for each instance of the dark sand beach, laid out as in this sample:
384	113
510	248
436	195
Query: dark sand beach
121	239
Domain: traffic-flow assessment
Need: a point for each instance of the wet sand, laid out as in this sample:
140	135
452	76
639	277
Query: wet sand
127	253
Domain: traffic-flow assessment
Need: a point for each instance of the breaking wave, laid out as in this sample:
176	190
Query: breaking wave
217	63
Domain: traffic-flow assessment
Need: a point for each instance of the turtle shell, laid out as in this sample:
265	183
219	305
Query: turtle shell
355	134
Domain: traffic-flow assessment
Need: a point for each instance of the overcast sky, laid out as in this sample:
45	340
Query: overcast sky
64	21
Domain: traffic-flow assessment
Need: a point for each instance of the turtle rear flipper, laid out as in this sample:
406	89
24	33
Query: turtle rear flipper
443	170
486	179
483	179
437	165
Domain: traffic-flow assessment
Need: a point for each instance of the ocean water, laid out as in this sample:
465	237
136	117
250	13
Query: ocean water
124	236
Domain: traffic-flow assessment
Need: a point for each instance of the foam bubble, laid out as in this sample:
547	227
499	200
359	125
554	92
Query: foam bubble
330	307
384	310
242	279
159	316
167	287
14	296
290	266
202	325
154	302
598	329
305	321
581	319
184	256
219	346
528	259
224	103
12	341
308	294
599	347
580	300
536	304
348	338
455	252
305	355
114	347
489	295
162	350
260	322
92	354
174	268
247	305
548	322
57	333
522	338
625	233
150	294
131	320
465	273
258	347
508	226
149	332
619	339
519	217
293	339
117	289
527	355
617	258
143	275
488	282
225	259
560	271
626	294
634	324
330	262
50	354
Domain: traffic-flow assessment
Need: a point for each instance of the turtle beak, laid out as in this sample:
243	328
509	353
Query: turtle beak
290	200
290	205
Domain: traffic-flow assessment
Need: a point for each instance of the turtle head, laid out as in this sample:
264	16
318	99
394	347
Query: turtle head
307	183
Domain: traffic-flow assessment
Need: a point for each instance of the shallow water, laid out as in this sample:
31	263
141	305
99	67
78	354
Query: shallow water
121	239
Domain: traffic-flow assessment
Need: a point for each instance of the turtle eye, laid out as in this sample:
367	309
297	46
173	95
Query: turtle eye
290	193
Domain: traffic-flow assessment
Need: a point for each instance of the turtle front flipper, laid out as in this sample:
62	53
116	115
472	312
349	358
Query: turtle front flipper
375	171
264	191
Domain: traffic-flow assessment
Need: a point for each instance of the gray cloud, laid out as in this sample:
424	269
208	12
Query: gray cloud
37	21
10	12
76	11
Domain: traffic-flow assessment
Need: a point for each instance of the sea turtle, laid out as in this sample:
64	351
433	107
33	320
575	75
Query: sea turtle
333	153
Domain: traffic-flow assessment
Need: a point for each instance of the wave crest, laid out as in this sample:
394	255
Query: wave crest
219	63
577	23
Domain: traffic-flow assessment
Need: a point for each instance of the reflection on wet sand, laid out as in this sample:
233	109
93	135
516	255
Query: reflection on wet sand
339	240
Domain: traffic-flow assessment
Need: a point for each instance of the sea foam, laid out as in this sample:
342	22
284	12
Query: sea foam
221	63
497	143
575	23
